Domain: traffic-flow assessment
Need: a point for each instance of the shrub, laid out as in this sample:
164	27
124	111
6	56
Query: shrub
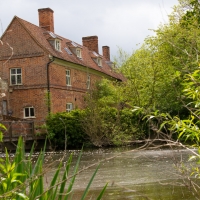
70	123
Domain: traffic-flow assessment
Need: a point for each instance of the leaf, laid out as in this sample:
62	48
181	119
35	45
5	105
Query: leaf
102	192
192	158
74	176
23	196
90	182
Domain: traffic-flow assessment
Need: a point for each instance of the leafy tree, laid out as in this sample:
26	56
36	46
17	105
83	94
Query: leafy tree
108	119
155	71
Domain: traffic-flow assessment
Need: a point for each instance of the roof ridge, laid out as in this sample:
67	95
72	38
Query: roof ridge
37	34
27	21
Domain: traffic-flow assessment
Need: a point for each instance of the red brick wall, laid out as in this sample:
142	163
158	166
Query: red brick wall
106	52
46	19
19	99
61	94
33	91
20	41
91	43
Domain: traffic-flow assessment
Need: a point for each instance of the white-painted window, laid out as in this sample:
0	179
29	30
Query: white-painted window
29	112
88	81
58	45
15	76
99	62
69	107
78	53
68	77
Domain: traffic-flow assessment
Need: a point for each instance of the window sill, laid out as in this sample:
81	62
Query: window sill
15	84
58	50
29	117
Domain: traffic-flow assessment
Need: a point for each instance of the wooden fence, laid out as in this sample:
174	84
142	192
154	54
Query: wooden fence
15	129
25	129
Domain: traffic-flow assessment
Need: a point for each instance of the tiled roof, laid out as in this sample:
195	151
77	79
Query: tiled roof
41	36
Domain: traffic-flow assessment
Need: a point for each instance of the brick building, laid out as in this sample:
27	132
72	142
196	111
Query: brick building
46	72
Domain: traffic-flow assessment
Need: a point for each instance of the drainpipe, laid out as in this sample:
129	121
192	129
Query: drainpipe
48	84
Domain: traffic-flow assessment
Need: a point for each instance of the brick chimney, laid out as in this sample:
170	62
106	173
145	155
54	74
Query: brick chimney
46	19
106	52
91	43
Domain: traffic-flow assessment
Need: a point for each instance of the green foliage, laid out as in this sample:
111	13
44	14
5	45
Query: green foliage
10	179
2	127
155	71
108	120
69	122
188	129
20	179
149	80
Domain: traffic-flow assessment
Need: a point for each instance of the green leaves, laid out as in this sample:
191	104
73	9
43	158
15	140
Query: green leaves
10	179
2	127
20	179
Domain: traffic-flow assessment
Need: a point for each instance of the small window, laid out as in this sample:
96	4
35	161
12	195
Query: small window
68	78
68	51
99	62
69	107
88	81
29	112
15	76
78	53
58	45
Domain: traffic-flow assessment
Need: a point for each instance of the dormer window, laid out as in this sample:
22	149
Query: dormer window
97	58
99	62
57	45
78	53
54	40
75	48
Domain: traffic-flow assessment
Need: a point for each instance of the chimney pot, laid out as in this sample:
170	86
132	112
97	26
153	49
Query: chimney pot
106	52
91	42
46	19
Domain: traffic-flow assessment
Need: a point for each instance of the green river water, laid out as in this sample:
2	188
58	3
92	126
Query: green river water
137	175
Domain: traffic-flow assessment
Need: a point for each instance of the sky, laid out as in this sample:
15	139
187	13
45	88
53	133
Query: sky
118	24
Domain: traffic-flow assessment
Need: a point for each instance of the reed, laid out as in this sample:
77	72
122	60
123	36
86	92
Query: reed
21	179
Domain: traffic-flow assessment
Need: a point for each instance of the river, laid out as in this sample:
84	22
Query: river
132	174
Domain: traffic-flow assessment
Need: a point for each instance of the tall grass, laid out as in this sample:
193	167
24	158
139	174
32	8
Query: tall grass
20	179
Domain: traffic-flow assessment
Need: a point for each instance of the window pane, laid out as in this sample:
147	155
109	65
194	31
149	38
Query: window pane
69	107
26	112
32	112
13	80
68	72
88	82
19	79
12	71
68	79
19	71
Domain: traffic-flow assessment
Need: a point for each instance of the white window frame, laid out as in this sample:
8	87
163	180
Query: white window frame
68	77
88	81
16	76
69	107
31	112
57	45
99	62
78	53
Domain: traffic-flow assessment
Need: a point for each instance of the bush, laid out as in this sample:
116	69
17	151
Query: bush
110	126
59	123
